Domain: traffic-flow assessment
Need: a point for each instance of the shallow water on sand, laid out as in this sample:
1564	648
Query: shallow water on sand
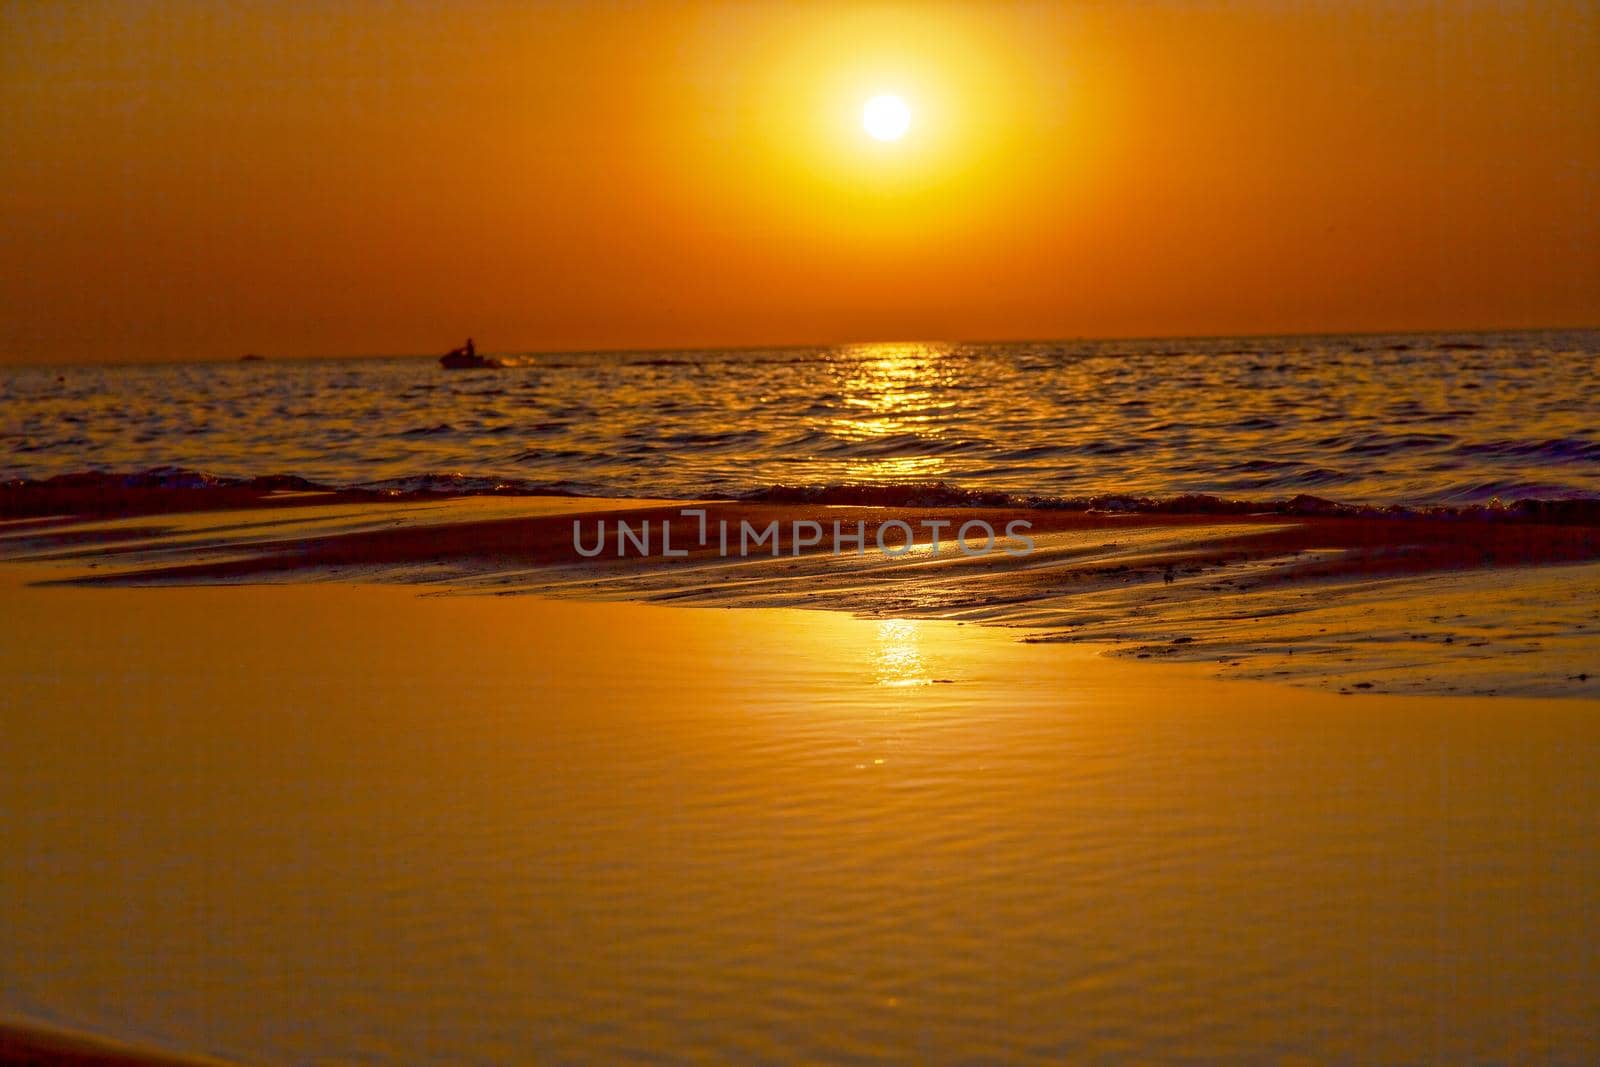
1408	419
255	822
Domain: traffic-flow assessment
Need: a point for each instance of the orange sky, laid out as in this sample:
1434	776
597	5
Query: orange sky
197	180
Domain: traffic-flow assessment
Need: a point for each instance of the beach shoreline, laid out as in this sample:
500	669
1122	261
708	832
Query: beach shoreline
1466	604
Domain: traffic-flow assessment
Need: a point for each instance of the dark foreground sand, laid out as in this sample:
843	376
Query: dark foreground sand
24	1044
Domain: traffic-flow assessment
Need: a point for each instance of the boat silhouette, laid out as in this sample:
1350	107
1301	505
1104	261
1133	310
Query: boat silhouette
466	358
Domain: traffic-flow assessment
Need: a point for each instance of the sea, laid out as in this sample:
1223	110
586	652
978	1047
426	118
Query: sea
1411	420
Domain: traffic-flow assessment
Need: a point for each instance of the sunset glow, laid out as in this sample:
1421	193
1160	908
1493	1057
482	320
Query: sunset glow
886	118
315	179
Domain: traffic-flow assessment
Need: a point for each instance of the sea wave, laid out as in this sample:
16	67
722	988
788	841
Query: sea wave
17	494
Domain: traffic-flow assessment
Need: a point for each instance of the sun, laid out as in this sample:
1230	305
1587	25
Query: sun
886	118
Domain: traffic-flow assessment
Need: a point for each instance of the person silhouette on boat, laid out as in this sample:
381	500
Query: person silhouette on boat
466	358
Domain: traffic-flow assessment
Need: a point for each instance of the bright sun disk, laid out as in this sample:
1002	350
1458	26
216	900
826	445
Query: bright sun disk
886	118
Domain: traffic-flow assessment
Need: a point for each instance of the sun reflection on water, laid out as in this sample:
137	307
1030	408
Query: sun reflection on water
897	469
895	396
898	659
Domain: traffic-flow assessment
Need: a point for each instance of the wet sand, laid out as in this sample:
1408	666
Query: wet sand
334	821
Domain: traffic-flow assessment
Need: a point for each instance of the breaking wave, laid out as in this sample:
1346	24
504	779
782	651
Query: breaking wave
36	496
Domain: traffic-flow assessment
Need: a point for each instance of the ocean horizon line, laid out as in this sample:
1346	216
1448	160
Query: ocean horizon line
786	346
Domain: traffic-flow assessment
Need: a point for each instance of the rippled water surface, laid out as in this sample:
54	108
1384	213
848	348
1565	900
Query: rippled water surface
1414	419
